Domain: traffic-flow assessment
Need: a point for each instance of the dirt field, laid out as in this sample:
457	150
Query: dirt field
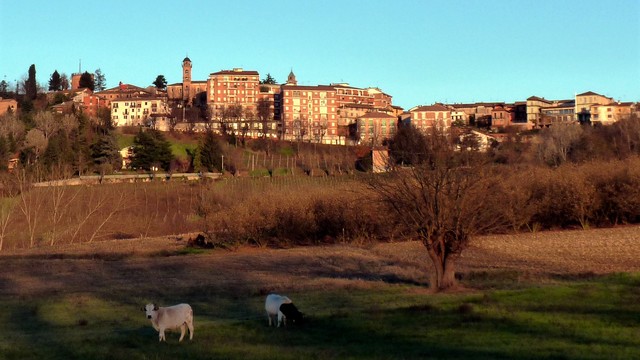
148	265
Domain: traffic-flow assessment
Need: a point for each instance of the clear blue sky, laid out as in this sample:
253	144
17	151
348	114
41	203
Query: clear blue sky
420	51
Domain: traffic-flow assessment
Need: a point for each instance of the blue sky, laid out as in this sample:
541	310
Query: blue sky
420	51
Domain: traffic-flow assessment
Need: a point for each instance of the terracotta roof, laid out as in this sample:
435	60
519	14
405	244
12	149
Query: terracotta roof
535	98
435	107
377	115
234	72
300	87
588	93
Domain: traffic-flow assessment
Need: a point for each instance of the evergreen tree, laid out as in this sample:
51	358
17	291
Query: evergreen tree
105	152
86	81
268	80
151	149
54	82
100	83
30	85
4	88
160	82
210	152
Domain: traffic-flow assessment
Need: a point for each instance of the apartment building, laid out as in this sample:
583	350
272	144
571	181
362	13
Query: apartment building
374	128
309	113
232	97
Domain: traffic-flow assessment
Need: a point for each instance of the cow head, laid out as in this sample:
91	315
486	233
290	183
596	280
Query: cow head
150	309
292	314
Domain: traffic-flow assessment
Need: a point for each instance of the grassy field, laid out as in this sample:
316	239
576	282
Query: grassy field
369	302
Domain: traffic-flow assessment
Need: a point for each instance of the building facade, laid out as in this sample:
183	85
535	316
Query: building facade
375	128
309	113
424	118
142	111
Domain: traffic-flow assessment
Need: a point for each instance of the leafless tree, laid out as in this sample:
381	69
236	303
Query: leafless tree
7	204
29	203
10	125
445	202
46	122
557	141
60	200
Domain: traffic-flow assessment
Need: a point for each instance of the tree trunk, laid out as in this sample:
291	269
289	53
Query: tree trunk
449	274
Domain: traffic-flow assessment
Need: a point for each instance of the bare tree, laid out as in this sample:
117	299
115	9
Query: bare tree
60	200
7	204
557	142
29	203
444	202
46	122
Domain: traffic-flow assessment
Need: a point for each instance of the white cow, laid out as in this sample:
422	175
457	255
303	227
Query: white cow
282	308
172	317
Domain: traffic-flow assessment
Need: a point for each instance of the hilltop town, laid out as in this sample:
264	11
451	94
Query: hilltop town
239	102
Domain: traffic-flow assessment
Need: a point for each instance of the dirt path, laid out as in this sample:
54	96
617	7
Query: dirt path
144	265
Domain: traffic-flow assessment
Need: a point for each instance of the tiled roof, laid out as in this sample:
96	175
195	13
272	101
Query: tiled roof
300	87
233	72
589	93
435	107
377	115
536	98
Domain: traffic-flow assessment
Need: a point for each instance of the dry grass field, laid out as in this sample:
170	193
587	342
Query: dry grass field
147	266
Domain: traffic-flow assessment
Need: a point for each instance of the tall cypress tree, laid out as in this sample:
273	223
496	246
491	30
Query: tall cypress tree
30	86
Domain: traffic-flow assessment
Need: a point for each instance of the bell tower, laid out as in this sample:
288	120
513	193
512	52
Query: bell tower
186	80
291	79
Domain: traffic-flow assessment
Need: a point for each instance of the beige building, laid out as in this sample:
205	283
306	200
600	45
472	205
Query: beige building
139	111
585	101
610	113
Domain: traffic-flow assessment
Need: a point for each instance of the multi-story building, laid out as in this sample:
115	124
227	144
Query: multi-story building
559	112
424	118
374	128
585	101
309	113
232	97
141	111
610	113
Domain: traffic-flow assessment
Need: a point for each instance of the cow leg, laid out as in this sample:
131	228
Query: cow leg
190	325
183	329
161	332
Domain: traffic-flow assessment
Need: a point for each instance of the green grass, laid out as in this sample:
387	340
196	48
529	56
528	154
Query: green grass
178	147
596	318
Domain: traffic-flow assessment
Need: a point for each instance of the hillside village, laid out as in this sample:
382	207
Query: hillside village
238	101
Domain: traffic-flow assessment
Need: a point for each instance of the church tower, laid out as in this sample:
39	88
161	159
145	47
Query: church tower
291	79
186	80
